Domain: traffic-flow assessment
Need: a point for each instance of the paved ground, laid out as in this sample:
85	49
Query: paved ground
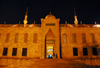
61	63
43	63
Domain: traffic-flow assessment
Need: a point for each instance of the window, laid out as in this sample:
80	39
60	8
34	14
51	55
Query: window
74	38
14	52
25	37
83	38
24	52
50	24
16	37
7	37
50	41
93	38
94	50
85	52
64	38
35	37
5	51
75	52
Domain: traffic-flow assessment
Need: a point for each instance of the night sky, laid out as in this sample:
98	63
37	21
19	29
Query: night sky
13	11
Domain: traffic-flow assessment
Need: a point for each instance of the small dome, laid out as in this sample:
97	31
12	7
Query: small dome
50	15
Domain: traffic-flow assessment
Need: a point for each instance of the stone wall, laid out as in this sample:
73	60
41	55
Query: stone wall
37	63
36	50
91	62
33	49
67	48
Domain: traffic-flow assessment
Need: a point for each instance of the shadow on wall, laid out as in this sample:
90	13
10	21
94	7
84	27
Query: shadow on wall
60	51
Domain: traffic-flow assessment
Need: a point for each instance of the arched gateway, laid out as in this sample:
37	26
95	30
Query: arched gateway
50	47
50	43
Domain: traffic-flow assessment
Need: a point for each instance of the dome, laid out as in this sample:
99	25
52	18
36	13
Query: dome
50	15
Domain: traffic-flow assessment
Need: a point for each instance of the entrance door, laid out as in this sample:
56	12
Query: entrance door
49	53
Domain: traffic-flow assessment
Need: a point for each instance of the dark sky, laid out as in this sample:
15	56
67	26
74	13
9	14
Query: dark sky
13	11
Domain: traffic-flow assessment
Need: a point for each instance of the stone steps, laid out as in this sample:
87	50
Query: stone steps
58	63
42	63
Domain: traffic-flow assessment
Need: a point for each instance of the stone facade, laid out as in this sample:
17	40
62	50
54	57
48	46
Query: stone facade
50	37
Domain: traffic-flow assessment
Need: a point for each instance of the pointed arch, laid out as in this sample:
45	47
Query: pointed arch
50	33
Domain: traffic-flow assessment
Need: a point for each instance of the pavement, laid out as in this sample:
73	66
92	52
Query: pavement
42	63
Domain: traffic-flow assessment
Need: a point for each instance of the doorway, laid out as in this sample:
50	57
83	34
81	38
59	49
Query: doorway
49	53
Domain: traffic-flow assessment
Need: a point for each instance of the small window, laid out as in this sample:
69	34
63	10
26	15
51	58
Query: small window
64	38
16	37
93	38
50	24
94	50
85	52
25	37
14	52
75	52
50	41
35	37
83	38
7	37
74	38
24	52
5	50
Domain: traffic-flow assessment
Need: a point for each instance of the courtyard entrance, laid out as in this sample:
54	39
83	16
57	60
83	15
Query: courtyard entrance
49	45
49	53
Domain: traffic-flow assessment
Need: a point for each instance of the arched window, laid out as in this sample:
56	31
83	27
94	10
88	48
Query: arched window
92	38
7	37
74	38
64	38
83	38
25	37
35	37
16	37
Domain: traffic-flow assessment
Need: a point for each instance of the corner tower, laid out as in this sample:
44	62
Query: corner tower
50	37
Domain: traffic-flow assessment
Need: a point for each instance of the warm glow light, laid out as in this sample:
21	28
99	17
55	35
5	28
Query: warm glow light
14	25
96	25
50	47
49	50
30	26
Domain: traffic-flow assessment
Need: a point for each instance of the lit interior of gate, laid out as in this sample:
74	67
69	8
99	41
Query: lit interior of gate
49	51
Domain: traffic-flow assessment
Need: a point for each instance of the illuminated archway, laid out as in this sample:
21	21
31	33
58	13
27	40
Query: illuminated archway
49	52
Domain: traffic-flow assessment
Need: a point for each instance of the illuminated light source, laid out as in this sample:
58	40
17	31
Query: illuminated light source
70	25
96	25
49	50
32	25
50	55
16	25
